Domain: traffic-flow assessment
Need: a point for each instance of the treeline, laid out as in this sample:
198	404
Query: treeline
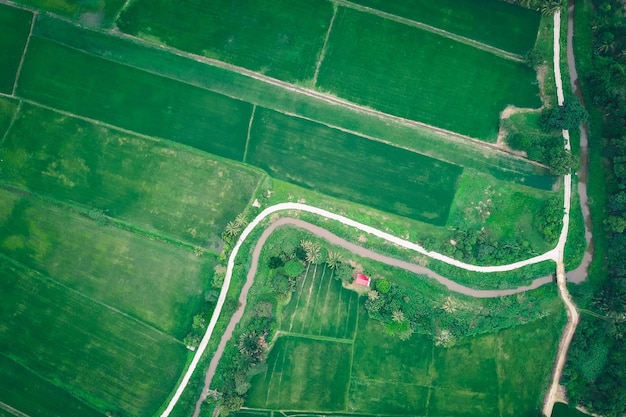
596	371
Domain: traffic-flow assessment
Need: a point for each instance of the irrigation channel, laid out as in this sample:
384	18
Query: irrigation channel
555	254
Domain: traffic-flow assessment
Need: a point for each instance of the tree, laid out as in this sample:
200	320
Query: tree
548	7
398	316
562	161
230	404
333	259
615	224
312	250
232	230
449	306
383	286
443	338
241	220
568	116
293	268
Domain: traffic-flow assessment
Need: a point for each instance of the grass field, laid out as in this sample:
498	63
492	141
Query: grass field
235	85
462	89
70	159
89	350
152	281
280	38
382	375
15	24
350	167
73	81
321	307
510	27
20	387
7	110
88	12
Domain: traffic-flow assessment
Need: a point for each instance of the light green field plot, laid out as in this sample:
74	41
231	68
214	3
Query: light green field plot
511	28
280	38
350	167
156	185
232	84
411	73
88	12
15	24
321	307
33	395
7	111
303	374
95	353
73	81
150	280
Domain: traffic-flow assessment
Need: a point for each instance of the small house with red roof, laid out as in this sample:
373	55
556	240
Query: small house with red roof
362	280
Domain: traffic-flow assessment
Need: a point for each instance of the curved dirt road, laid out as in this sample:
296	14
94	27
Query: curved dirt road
354	248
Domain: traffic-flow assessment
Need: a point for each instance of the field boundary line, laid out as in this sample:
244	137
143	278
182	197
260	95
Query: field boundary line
6	407
315	306
85	296
245	151
322	96
444	33
356	329
313	337
308	298
19	67
16	113
318	64
125	6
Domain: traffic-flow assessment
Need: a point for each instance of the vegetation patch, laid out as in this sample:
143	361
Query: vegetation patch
73	81
169	189
435	80
280	38
99	13
510	28
157	283
96	354
351	167
15	24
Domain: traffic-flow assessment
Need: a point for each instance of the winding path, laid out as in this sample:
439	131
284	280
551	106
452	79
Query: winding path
555	254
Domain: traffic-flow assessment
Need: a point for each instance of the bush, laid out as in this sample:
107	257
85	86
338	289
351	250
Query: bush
569	116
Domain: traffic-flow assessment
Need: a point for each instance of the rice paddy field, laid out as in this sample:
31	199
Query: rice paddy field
129	138
364	371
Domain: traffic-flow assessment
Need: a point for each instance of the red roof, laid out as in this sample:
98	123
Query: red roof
362	280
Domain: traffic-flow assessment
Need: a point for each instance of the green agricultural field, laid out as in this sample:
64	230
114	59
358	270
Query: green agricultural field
280	38
152	281
73	81
35	396
305	374
511	28
168	189
233	84
15	24
320	307
433	79
94	353
88	12
7	110
351	167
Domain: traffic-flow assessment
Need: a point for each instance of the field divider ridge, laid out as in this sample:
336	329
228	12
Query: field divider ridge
19	67
315	94
16	113
280	333
125	6
318	64
403	20
245	151
14	411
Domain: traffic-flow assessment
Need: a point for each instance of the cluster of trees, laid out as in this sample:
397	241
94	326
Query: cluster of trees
596	371
548	148
406	311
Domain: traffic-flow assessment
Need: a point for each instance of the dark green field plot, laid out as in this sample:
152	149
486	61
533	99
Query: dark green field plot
303	374
88	12
88	350
15	24
342	165
320	306
411	73
33	395
281	38
156	185
155	282
88	86
493	22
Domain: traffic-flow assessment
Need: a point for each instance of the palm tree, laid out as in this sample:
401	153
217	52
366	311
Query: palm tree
398	316
232	229
333	260
312	251
372	295
241	220
443	337
449	306
548	7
